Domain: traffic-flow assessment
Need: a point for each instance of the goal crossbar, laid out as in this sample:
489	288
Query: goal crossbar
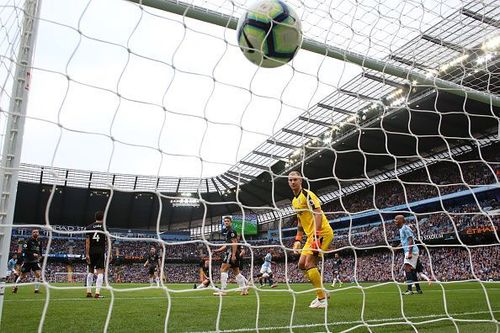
223	20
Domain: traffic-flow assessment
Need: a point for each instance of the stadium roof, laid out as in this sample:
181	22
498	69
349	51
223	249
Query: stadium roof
400	120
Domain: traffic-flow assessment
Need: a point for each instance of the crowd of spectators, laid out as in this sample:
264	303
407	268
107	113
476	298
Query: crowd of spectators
435	180
447	263
362	259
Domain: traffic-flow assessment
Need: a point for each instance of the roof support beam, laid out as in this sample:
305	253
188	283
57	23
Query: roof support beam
407	62
315	121
356	95
258	166
233	177
241	175
229	180
215	185
480	18
383	80
281	144
439	41
297	133
335	109
223	183
273	156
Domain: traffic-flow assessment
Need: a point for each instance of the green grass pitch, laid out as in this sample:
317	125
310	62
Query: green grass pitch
136	309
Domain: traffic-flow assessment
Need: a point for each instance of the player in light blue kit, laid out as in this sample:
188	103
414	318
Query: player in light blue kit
410	254
266	272
11	268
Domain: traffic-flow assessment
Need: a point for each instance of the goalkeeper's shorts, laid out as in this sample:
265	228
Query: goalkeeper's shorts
326	239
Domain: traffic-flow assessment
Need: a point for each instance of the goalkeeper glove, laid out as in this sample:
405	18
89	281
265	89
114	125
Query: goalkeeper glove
317	241
296	246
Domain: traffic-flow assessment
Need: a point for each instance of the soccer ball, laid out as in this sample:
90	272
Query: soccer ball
269	33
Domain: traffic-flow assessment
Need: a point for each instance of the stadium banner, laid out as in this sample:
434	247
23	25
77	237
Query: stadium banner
250	224
480	229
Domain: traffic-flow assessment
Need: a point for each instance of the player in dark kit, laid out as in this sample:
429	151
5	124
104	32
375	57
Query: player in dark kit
95	248
153	263
337	262
204	273
231	260
32	252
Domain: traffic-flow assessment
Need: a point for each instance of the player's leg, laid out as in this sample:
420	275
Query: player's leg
24	271
415	266
425	277
90	279
334	279
308	263
271	282
38	275
224	268
409	279
240	279
98	262
98	282
415	281
260	277
17	272
150	279
339	280
157	279
151	275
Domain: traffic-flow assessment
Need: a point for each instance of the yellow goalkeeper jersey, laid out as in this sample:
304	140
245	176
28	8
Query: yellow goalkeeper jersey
304	203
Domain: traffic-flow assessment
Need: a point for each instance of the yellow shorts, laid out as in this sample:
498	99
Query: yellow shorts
325	243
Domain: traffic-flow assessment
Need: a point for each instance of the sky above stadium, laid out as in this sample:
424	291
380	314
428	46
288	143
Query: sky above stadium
120	89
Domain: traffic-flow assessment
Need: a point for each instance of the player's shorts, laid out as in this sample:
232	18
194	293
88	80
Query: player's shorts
325	243
419	267
151	270
264	269
30	267
235	264
96	261
413	261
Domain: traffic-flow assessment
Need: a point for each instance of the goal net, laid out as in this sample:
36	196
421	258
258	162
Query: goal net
149	112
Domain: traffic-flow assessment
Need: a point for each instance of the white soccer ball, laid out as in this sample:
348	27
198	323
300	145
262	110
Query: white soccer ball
269	33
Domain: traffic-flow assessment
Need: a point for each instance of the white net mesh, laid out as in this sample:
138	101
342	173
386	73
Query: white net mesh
149	112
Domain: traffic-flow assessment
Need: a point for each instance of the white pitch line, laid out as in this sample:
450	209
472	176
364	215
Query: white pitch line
338	323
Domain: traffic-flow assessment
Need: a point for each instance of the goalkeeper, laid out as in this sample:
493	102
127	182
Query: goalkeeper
313	222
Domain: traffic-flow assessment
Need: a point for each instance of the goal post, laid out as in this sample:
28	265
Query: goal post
14	130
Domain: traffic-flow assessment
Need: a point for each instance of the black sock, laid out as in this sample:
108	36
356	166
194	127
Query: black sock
409	280
415	280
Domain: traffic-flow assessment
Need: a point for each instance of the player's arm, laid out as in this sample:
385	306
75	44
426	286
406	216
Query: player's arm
318	219
234	245
298	237
410	247
220	249
87	249
38	254
146	263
